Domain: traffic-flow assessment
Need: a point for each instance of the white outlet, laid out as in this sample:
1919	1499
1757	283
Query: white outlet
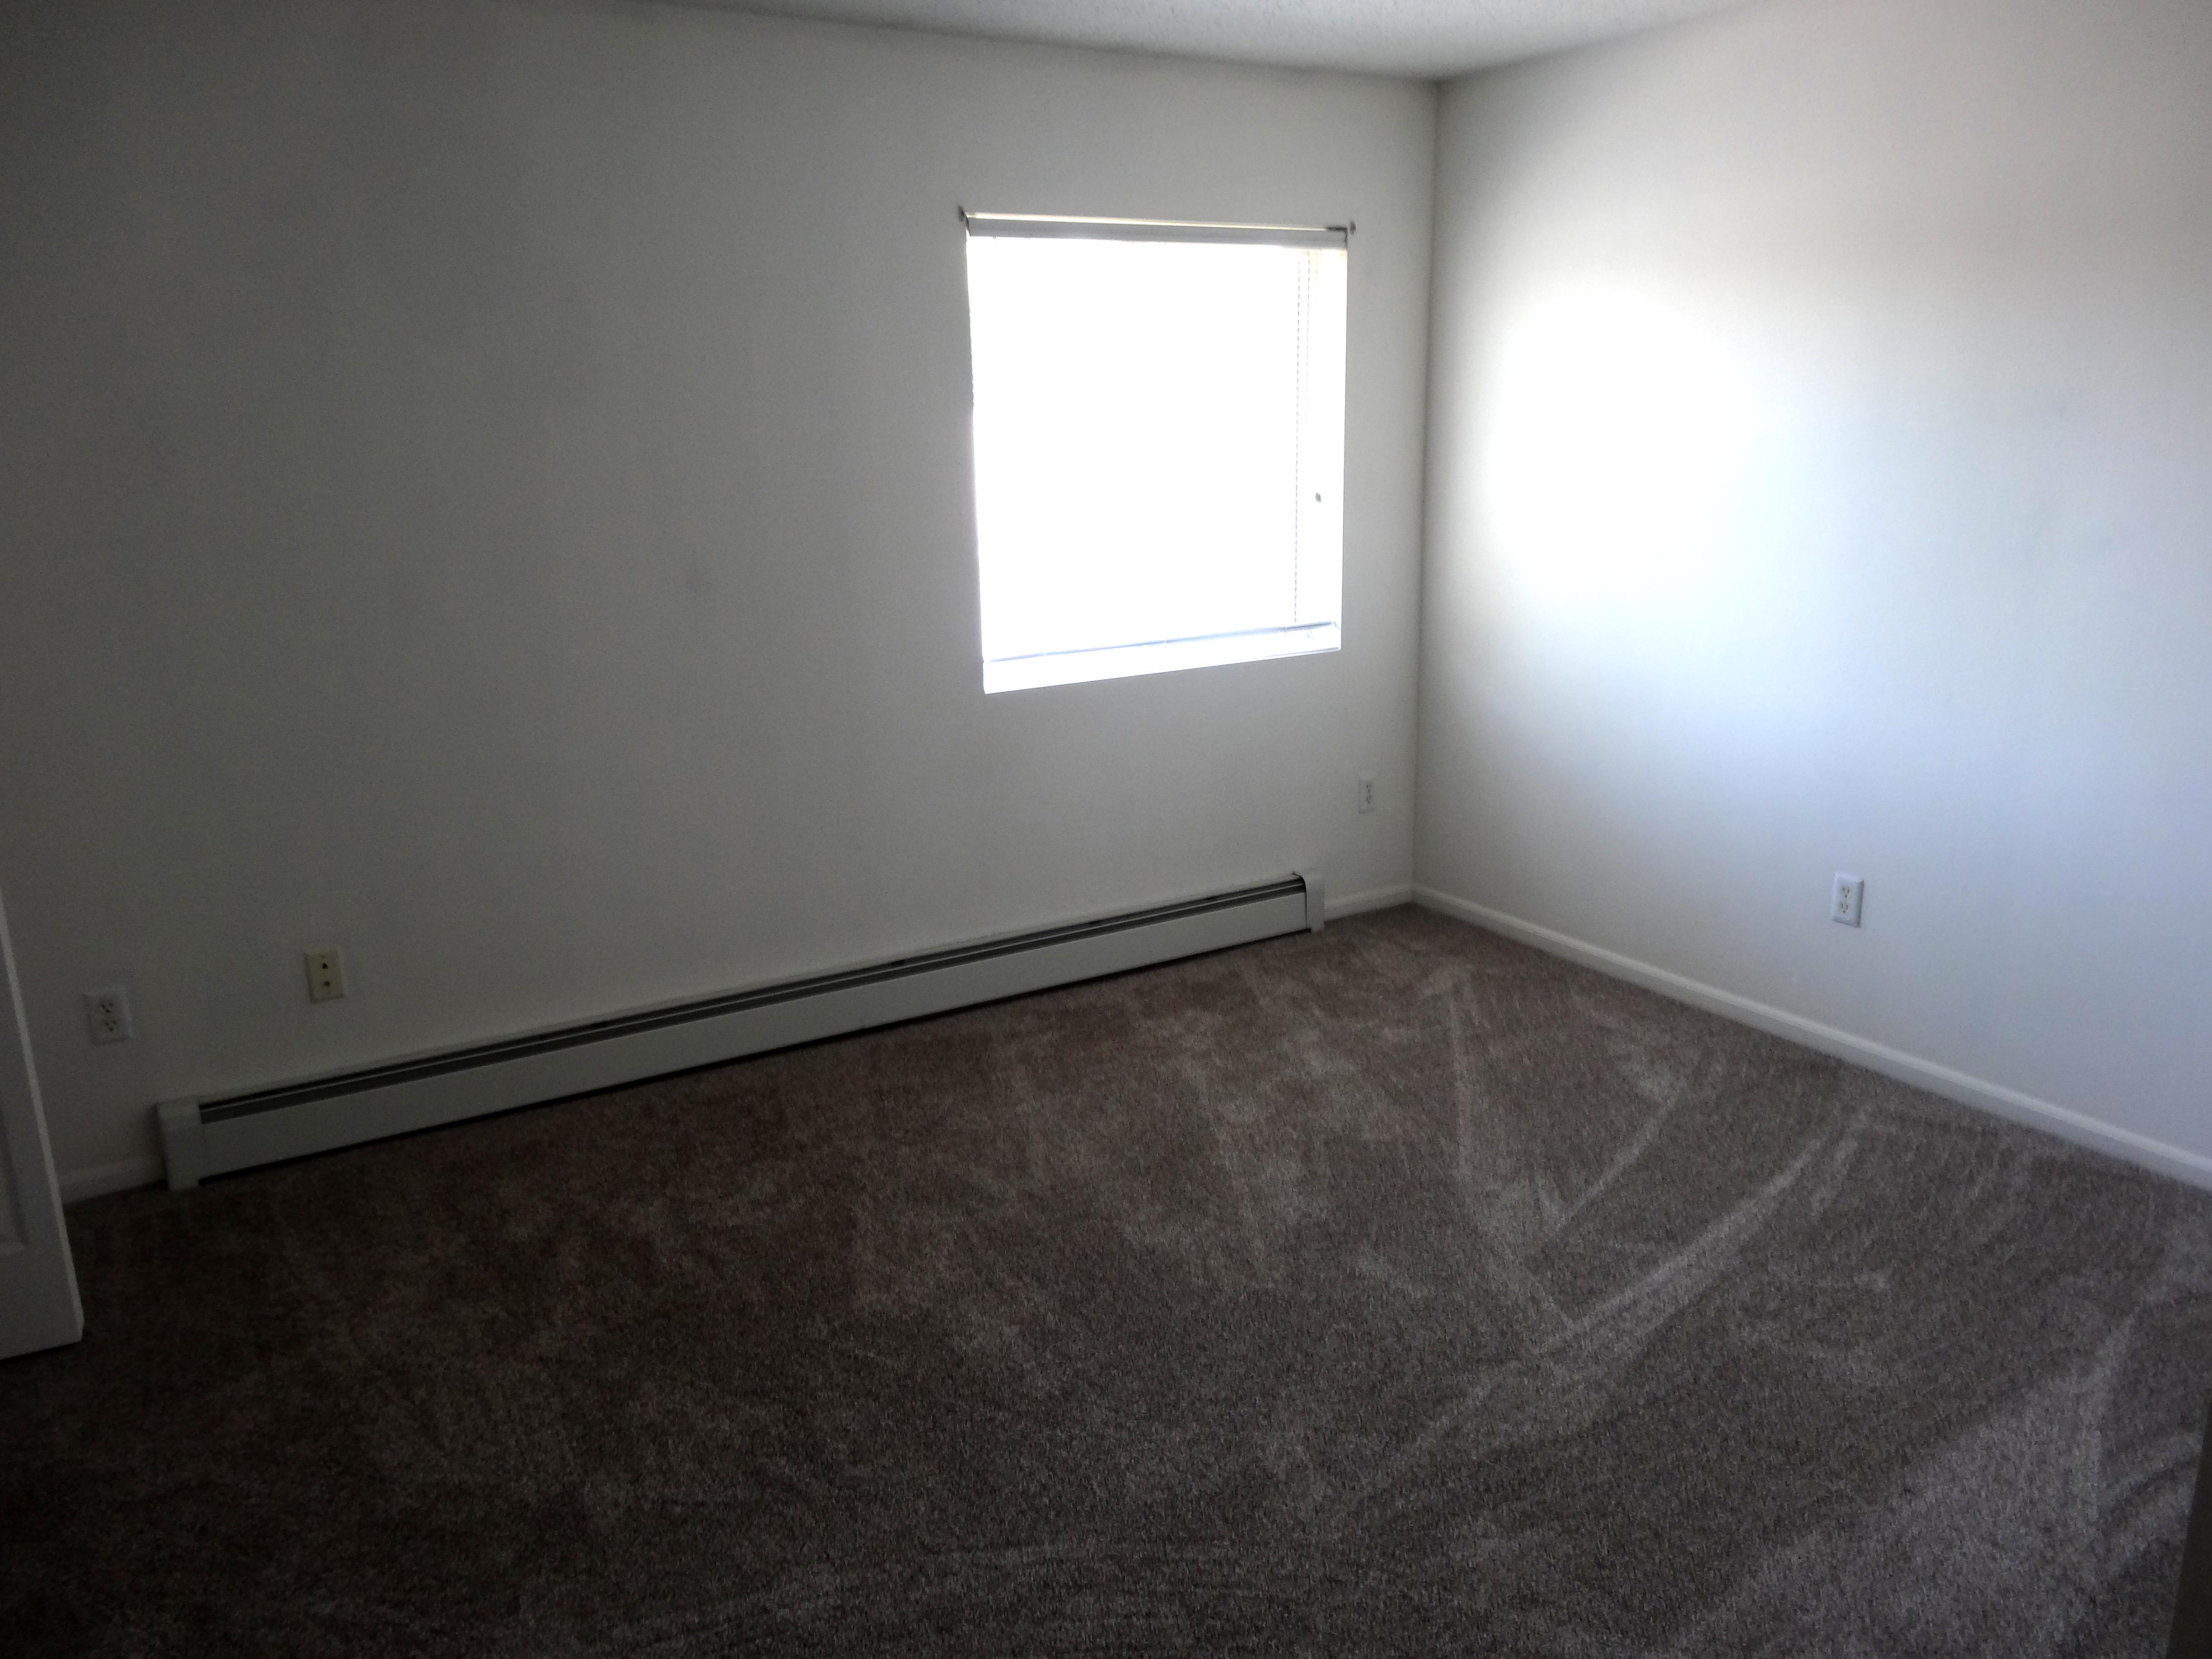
1850	900
1367	791
109	1012
325	975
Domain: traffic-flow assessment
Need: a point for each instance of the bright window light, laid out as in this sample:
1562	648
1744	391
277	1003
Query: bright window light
1159	445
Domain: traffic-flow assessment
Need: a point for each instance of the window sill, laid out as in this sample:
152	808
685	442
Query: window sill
1157	657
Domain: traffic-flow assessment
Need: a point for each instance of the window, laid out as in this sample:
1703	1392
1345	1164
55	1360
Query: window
1159	444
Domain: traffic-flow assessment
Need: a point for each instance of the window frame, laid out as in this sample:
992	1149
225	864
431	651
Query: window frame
1301	636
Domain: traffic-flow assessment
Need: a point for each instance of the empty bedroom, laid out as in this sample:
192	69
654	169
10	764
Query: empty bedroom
988	827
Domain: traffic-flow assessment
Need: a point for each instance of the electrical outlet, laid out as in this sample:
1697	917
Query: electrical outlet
1849	901
325	975
109	1012
1367	791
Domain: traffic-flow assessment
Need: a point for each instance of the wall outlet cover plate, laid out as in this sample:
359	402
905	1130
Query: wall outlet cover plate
325	975
107	1012
1848	904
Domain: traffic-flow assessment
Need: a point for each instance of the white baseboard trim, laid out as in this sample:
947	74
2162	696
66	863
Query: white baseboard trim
120	1176
1993	1097
1374	898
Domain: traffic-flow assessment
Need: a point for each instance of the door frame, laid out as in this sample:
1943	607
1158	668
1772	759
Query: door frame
39	1305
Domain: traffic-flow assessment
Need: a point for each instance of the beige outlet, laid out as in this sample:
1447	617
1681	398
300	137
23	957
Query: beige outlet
325	975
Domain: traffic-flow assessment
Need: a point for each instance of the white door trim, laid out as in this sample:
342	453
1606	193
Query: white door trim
38	1306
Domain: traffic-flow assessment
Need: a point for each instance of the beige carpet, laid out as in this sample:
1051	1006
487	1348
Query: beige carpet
1392	1290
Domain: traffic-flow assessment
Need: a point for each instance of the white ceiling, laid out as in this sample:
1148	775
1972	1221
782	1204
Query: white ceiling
1430	39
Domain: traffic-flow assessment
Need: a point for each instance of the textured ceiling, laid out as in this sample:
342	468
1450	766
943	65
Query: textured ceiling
1431	39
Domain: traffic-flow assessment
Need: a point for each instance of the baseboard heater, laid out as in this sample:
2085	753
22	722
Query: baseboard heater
212	1137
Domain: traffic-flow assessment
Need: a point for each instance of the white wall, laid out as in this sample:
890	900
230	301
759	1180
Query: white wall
485	487
1821	479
